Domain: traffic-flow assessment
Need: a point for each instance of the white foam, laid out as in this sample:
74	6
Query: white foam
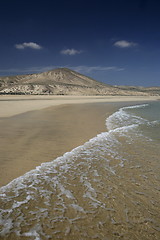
7	226
137	106
122	118
77	207
65	191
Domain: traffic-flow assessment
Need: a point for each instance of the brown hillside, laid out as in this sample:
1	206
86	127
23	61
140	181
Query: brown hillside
63	81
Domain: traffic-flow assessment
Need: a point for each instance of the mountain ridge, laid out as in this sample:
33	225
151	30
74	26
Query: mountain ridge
63	81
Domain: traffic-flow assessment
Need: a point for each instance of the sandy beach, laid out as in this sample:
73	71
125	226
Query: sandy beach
100	185
37	129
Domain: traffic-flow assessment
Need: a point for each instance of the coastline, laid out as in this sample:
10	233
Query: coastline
12	105
39	129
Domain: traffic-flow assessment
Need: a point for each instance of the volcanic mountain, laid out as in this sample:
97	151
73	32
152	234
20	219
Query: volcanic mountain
63	81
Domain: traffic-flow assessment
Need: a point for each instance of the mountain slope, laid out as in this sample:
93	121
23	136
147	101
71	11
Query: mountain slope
63	81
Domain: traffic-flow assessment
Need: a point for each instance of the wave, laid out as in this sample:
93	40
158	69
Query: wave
33	193
122	118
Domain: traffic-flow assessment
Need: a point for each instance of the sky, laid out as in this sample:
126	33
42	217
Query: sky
113	41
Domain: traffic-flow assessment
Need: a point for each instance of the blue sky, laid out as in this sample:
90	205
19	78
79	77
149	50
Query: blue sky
116	41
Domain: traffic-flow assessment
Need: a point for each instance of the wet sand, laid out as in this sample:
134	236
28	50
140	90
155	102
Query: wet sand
29	137
12	105
81	198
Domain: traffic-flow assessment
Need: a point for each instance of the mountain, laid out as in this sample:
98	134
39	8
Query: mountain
63	81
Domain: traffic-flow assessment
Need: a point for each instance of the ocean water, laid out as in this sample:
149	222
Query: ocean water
108	188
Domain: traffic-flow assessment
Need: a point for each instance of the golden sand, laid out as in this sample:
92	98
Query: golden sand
37	129
123	206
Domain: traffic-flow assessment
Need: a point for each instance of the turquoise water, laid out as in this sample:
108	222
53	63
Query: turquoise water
107	188
150	113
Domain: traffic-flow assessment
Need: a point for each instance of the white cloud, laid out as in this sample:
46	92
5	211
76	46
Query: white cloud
28	45
125	44
80	69
70	52
87	69
30	70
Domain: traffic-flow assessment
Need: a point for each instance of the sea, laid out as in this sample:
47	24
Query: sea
106	189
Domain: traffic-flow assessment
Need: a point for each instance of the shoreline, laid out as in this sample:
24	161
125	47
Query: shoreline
43	134
13	105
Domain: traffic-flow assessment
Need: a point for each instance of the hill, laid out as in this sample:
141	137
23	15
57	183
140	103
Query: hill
63	81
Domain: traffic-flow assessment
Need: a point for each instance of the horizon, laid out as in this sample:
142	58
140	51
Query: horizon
115	42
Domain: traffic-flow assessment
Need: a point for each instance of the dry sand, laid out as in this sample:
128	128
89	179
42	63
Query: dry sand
37	129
